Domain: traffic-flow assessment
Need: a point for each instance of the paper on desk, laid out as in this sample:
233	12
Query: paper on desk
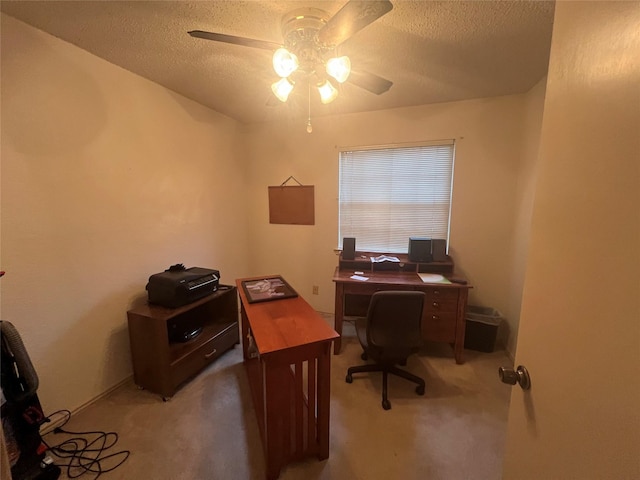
433	278
358	277
384	258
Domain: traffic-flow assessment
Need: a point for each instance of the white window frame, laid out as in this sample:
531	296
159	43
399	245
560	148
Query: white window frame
390	193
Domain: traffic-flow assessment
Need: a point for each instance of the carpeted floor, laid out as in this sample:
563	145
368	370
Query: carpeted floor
208	430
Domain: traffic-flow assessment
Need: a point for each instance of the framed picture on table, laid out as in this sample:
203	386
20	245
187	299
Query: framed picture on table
267	289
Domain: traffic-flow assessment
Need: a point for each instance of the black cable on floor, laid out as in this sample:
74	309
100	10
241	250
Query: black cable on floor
85	453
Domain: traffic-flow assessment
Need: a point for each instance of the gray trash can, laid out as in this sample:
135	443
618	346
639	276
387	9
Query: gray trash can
481	329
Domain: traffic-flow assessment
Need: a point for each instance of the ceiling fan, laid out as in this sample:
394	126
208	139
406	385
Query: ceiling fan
309	50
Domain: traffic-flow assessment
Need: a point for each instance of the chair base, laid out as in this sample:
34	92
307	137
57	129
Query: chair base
386	369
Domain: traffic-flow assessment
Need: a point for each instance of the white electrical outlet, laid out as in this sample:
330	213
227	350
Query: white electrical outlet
315	290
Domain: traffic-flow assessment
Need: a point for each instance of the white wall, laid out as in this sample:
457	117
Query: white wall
488	189
107	178
521	225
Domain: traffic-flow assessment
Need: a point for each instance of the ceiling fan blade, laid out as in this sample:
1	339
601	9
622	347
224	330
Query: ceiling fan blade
351	18
370	81
244	41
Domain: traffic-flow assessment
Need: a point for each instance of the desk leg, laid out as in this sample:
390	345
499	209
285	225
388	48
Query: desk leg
338	316
276	407
244	332
458	348
324	400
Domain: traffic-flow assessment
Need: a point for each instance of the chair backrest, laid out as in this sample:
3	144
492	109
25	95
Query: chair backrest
394	322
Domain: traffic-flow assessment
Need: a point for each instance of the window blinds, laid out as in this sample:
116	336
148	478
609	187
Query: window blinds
390	194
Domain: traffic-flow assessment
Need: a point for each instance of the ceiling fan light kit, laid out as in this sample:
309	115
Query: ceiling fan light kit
282	88
328	92
285	62
309	51
303	51
339	68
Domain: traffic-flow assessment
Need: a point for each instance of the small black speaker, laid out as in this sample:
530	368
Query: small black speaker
348	248
439	250
419	249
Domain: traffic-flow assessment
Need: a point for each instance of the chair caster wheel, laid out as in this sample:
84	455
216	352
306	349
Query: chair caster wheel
386	404
420	390
348	378
364	356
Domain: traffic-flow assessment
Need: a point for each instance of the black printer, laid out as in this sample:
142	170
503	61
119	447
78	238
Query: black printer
179	286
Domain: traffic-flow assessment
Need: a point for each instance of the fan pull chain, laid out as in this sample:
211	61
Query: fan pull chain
309	127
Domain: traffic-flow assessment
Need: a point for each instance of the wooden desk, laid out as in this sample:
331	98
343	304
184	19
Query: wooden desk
443	319
287	356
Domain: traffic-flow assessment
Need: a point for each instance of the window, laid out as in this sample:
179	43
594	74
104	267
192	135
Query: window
390	194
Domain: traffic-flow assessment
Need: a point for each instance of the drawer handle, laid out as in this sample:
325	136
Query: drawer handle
435	317
209	355
436	292
436	304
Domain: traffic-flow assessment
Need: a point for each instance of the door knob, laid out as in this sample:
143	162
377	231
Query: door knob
519	375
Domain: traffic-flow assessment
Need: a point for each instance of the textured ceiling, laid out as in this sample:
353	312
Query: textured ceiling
432	51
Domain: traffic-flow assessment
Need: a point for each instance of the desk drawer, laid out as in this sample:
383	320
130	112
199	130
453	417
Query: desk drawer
195	361
441	294
441	300
439	306
358	297
439	326
371	288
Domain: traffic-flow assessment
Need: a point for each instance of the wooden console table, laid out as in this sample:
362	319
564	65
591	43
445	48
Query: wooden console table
443	319
287	356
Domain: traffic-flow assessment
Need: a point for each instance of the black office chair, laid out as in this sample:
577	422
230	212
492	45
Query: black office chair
389	334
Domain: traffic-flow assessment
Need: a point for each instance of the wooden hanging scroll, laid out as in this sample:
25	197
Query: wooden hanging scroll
292	205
